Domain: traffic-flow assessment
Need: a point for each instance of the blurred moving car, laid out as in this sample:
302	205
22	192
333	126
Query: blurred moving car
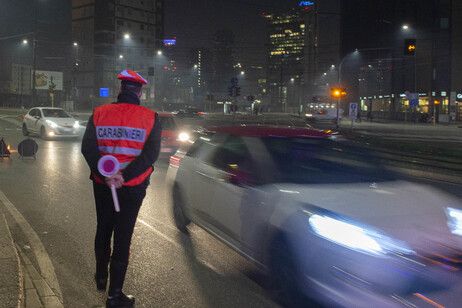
189	112
173	135
323	114
319	214
50	122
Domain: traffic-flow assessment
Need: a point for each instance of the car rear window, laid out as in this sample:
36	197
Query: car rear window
168	123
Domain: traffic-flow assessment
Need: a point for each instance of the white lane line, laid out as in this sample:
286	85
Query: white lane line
47	270
165	237
203	262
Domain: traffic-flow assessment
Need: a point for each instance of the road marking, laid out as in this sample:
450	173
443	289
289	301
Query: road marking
165	237
423	297
201	261
47	270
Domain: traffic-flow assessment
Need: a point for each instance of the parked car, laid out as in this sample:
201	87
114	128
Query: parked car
173	134
319	214
49	122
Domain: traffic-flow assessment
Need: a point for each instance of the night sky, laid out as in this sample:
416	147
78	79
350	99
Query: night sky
194	22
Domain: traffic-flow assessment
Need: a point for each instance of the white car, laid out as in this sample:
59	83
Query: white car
50	122
319	214
323	115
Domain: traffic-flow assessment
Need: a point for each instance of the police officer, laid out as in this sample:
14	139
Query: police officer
132	134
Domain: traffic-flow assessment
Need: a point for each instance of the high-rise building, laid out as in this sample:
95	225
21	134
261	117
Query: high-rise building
304	47
110	36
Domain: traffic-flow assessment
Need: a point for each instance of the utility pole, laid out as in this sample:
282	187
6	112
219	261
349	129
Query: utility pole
34	60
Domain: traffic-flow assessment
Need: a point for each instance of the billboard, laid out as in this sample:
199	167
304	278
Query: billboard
44	79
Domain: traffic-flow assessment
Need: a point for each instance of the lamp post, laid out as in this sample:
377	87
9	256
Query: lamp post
76	64
356	52
337	92
34	45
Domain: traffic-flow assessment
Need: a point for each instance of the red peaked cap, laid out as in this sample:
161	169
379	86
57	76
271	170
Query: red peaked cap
132	76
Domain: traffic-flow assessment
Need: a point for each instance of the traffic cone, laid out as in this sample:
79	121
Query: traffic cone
4	152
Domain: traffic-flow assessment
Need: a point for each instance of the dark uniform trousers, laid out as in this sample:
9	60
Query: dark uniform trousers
121	223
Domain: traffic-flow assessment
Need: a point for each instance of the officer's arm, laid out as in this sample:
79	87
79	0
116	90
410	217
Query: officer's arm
148	155
90	147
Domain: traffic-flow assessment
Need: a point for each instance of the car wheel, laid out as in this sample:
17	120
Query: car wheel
181	220
43	133
284	273
25	132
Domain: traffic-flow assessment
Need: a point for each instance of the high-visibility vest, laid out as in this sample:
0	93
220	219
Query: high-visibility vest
121	131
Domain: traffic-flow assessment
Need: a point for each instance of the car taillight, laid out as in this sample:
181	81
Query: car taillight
175	161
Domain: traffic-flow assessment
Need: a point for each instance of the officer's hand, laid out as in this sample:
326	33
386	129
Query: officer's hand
117	180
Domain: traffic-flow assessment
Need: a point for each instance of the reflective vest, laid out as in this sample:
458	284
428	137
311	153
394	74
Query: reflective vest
121	131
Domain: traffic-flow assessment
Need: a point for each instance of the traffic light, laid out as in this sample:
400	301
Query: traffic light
337	92
238	91
234	82
409	47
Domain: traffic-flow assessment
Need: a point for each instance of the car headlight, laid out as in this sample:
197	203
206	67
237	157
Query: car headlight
356	237
183	137
51	123
76	124
454	220
308	115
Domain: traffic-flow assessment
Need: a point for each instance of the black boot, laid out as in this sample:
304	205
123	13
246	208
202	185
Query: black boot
102	262
115	297
101	276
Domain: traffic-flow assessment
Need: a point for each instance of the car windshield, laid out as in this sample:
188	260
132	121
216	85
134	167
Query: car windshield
55	113
321	161
168	123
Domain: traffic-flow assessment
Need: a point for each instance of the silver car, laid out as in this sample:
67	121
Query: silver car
319	214
50	123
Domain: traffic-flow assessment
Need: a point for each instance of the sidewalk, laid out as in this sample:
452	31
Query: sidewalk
21	284
11	288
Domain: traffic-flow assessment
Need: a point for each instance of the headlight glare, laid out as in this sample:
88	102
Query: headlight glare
76	124
183	136
355	237
454	220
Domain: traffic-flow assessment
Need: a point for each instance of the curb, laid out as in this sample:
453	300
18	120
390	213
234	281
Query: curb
37	291
11	282
23	284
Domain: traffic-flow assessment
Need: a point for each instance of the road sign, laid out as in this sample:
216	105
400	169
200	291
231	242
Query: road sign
103	92
413	98
353	111
459	96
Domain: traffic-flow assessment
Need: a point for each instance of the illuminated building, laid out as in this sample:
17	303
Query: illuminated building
304	43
